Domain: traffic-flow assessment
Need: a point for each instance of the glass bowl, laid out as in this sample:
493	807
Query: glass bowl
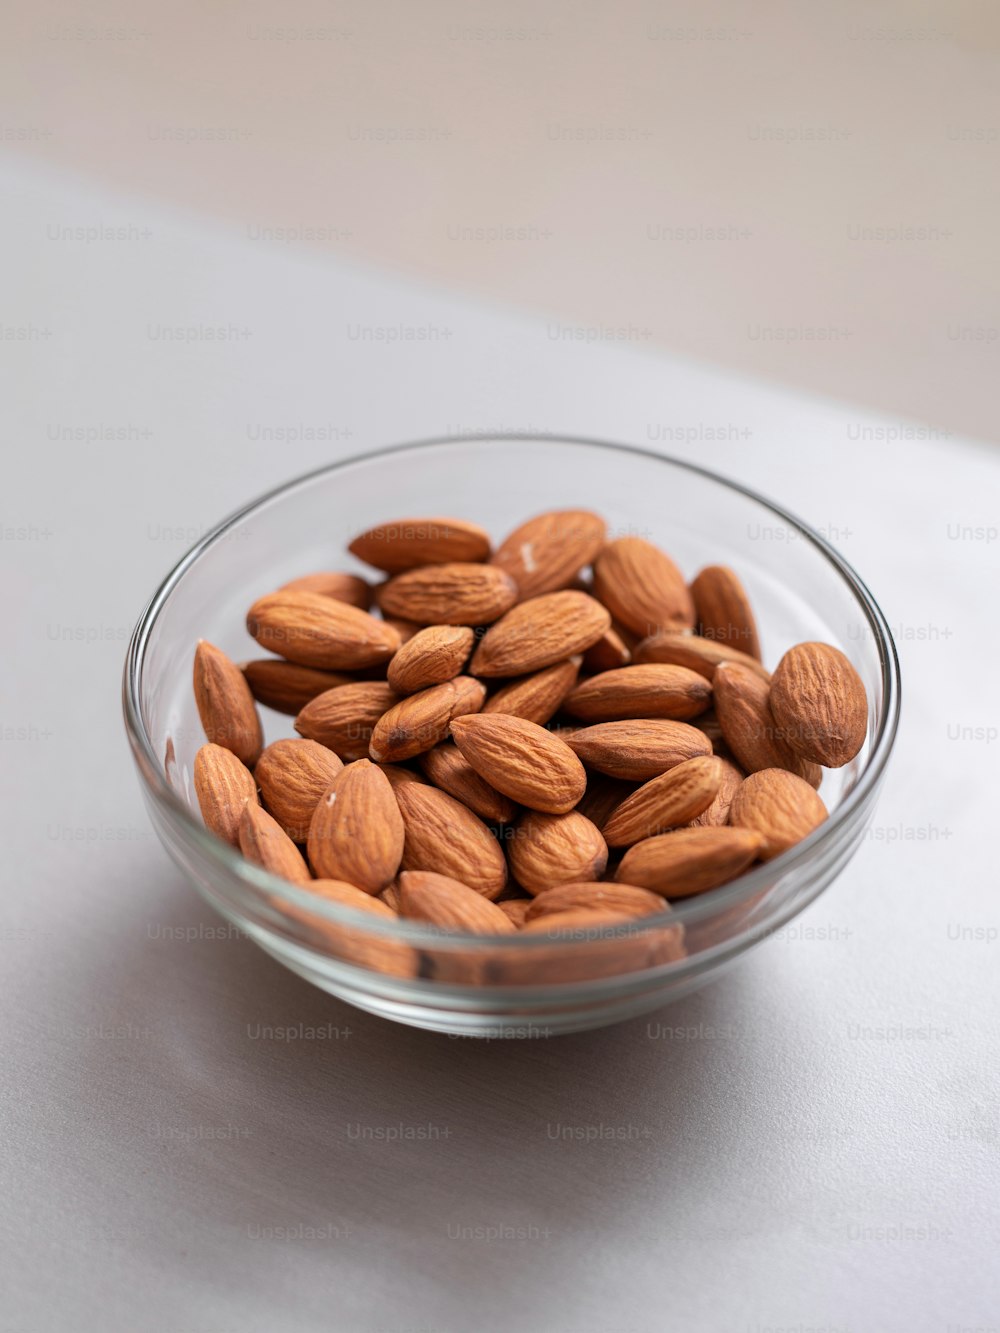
504	985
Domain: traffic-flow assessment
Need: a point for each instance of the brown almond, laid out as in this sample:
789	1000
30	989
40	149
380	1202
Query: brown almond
546	850
717	814
693	652
406	543
539	633
522	760
446	767
354	944
639	750
723	610
293	775
225	704
603	797
444	837
642	587
665	802
287	687
356	833
457	594
264	842
548	551
819	701
418	722
449	904
431	657
537	697
515	910
318	631
389	896
341	587
778	805
576	922
689	860
749	727
223	785
344	718
612	650
595	895
653	690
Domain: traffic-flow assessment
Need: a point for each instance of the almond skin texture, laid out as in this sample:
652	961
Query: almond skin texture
639	750
223	786
446	767
225	704
666	802
444	837
537	697
717	814
287	687
546	850
515	910
819	701
522	760
652	690
318	631
344	718
353	943
341	587
409	542
603	797
356	833
264	842
608	653
779	806
540	632
749	727
548	551
457	594
689	860
595	895
418	722
292	776
693	652
723	610
449	904
642	587
431	657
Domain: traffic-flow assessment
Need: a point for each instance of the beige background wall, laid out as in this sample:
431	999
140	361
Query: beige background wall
808	192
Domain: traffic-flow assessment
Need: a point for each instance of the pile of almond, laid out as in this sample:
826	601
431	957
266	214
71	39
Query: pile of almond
551	736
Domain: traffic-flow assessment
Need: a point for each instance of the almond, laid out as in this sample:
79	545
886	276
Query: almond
223	786
609	652
522	760
432	656
344	718
287	687
694	652
639	750
587	944
264	842
409	542
540	632
594	895
293	775
603	796
446	767
819	701
318	631
548	551
689	860
346	895
389	896
642	587
354	944
515	910
748	725
225	704
341	587
723	610
536	697
404	628
448	903
717	814
545	850
645	691
576	922
444	837
420	720
456	594
778	805
356	833
668	801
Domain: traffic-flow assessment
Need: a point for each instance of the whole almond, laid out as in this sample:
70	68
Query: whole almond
516	910
689	860
540	632
344	718
354	943
455	594
665	802
432	656
639	750
223	785
446	767
749	727
577	923
406	543
318	631
444	837
449	904
548	551
546	850
723	610
225	704
264	842
537	697
778	805
819	701
356	833
341	587
693	652
717	814
595	895
611	651
642	587
653	690
418	722
348	895
287	687
293	775
522	760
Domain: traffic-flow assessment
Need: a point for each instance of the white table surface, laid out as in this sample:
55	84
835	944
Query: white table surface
814	1147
